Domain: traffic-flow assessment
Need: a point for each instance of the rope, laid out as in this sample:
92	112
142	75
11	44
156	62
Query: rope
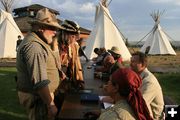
109	3
143	37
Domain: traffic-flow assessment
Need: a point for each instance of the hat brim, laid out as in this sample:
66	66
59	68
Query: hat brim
39	23
118	53
70	26
68	29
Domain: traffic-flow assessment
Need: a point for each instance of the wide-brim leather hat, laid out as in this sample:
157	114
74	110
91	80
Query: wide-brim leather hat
71	26
115	50
46	18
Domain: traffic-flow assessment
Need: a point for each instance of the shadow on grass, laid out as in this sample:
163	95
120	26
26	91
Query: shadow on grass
10	109
5	115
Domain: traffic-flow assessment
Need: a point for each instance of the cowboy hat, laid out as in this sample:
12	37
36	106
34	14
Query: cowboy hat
115	50
71	26
46	18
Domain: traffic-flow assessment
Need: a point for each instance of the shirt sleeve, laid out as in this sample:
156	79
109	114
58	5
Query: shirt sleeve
35	58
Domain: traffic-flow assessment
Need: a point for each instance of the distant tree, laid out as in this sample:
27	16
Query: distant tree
127	42
173	46
7	4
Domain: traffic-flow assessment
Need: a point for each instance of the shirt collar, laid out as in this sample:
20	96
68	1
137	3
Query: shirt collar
143	74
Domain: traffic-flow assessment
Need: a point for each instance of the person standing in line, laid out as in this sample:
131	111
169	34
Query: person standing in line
150	88
38	67
81	49
74	68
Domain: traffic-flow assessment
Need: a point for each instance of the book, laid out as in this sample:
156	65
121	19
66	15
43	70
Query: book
89	98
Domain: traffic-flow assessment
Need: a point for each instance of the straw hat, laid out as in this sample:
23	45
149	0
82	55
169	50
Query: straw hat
115	50
71	26
46	18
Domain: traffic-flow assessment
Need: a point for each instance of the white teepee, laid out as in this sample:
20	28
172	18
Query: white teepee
9	32
157	42
105	34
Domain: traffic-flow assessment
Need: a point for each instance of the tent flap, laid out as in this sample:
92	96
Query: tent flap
9	32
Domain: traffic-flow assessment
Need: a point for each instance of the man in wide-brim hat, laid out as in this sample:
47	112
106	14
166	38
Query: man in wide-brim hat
115	52
37	67
74	68
46	18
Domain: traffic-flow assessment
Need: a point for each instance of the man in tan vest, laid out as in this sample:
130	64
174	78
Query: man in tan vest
38	67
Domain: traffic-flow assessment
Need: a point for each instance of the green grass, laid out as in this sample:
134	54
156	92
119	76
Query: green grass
10	109
170	83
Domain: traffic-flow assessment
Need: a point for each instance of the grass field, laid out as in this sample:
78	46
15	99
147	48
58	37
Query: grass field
11	110
9	105
162	60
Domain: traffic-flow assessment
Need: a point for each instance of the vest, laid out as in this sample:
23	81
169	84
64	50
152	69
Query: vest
24	81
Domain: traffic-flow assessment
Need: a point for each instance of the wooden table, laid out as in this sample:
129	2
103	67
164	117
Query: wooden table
72	108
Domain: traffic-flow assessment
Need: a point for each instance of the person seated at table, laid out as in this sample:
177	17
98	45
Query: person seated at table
123	87
115	52
109	66
97	52
102	54
150	88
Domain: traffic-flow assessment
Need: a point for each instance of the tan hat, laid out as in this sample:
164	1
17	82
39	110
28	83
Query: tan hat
46	18
71	26
115	50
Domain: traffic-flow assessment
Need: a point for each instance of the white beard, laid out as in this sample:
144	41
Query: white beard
48	38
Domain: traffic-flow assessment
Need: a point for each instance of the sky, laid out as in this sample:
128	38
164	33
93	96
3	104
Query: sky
131	16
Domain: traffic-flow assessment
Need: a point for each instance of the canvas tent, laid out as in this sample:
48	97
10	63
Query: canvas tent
157	42
105	34
9	32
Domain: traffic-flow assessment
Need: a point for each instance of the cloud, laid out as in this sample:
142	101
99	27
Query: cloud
21	3
73	7
172	17
132	17
161	1
80	11
174	2
87	7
